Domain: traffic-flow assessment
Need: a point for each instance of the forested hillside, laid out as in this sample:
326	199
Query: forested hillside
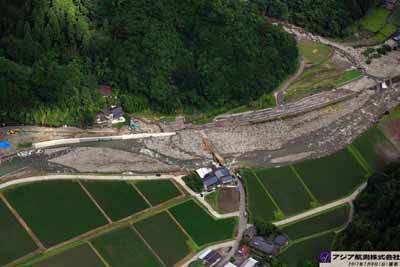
325	17
376	222
167	56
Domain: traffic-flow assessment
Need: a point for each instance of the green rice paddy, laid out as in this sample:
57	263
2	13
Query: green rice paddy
308	249
14	240
118	199
259	203
332	177
158	191
165	237
123	247
322	222
56	211
200	225
80	256
286	188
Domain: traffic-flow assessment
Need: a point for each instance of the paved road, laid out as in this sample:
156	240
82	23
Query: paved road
68	141
336	203
306	104
214	247
241	227
204	202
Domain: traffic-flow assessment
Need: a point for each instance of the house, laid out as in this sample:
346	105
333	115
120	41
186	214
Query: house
213	178
210	257
250	262
244	250
281	241
230	264
202	172
262	245
223	175
210	182
113	115
105	90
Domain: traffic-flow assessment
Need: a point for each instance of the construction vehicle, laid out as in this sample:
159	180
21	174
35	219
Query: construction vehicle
13	131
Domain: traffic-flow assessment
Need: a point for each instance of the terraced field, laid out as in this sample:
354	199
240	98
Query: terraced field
14	240
56	211
165	237
203	229
158	191
117	198
124	247
286	188
329	220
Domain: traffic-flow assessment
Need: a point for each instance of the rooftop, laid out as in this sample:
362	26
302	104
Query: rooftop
281	240
250	262
259	243
105	90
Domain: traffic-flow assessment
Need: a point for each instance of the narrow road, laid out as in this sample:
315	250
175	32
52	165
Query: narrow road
241	227
336	203
214	247
279	94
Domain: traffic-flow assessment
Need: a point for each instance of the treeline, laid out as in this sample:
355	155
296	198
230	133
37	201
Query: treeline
166	56
376	223
325	17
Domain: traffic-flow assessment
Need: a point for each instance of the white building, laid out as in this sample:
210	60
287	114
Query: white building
203	172
250	262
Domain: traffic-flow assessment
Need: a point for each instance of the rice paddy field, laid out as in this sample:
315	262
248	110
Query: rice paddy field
286	188
56	211
79	256
165	237
14	240
373	146
124	247
158	191
332	177
329	220
200	225
307	249
259	203
117	198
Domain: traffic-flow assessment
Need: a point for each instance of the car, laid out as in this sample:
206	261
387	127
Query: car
396	36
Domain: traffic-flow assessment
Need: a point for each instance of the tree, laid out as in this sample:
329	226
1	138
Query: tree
264	228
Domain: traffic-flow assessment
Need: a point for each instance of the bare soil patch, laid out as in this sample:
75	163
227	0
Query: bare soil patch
228	199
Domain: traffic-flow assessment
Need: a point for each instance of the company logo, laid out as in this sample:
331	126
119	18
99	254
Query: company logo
325	257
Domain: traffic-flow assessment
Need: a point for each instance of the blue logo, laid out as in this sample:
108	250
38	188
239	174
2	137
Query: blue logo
325	257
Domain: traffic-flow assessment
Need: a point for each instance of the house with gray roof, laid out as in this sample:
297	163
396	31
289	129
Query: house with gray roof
281	241
262	245
210	182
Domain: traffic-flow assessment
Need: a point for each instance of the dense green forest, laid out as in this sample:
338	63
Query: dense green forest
376	221
175	56
325	17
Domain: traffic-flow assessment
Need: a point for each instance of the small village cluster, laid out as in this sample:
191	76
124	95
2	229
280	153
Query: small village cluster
253	245
213	178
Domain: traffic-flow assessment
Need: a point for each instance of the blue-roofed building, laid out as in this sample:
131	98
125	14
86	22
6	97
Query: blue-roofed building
210	182
281	241
221	172
226	179
262	245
